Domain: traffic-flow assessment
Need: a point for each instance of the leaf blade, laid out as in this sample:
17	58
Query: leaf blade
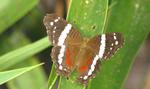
52	78
22	53
11	74
114	72
11	9
83	15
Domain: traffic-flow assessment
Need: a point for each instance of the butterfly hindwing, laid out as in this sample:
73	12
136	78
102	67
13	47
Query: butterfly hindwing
54	54
88	67
91	63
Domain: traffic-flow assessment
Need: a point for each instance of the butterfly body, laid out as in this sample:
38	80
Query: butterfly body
73	52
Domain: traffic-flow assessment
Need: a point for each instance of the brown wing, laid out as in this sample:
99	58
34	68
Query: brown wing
106	45
114	41
88	65
72	47
68	59
66	41
99	47
67	52
54	25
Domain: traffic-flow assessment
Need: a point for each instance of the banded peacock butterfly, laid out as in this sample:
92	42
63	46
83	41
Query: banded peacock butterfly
72	51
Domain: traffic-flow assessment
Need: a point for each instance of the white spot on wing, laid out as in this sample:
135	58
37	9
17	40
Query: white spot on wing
111	48
53	36
81	77
114	33
65	69
85	77
53	42
58	17
116	42
115	37
56	20
51	23
60	67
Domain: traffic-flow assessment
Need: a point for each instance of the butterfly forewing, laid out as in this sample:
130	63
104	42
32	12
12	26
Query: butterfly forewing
74	38
114	41
66	41
94	44
54	25
106	45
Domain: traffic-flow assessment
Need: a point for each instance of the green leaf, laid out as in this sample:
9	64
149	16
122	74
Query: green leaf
5	76
26	81
69	84
131	18
23	53
52	78
113	73
13	10
35	79
89	17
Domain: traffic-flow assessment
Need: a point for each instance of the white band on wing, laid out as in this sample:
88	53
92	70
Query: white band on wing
61	41
99	56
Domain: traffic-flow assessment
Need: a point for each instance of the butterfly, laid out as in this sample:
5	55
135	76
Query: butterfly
73	52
